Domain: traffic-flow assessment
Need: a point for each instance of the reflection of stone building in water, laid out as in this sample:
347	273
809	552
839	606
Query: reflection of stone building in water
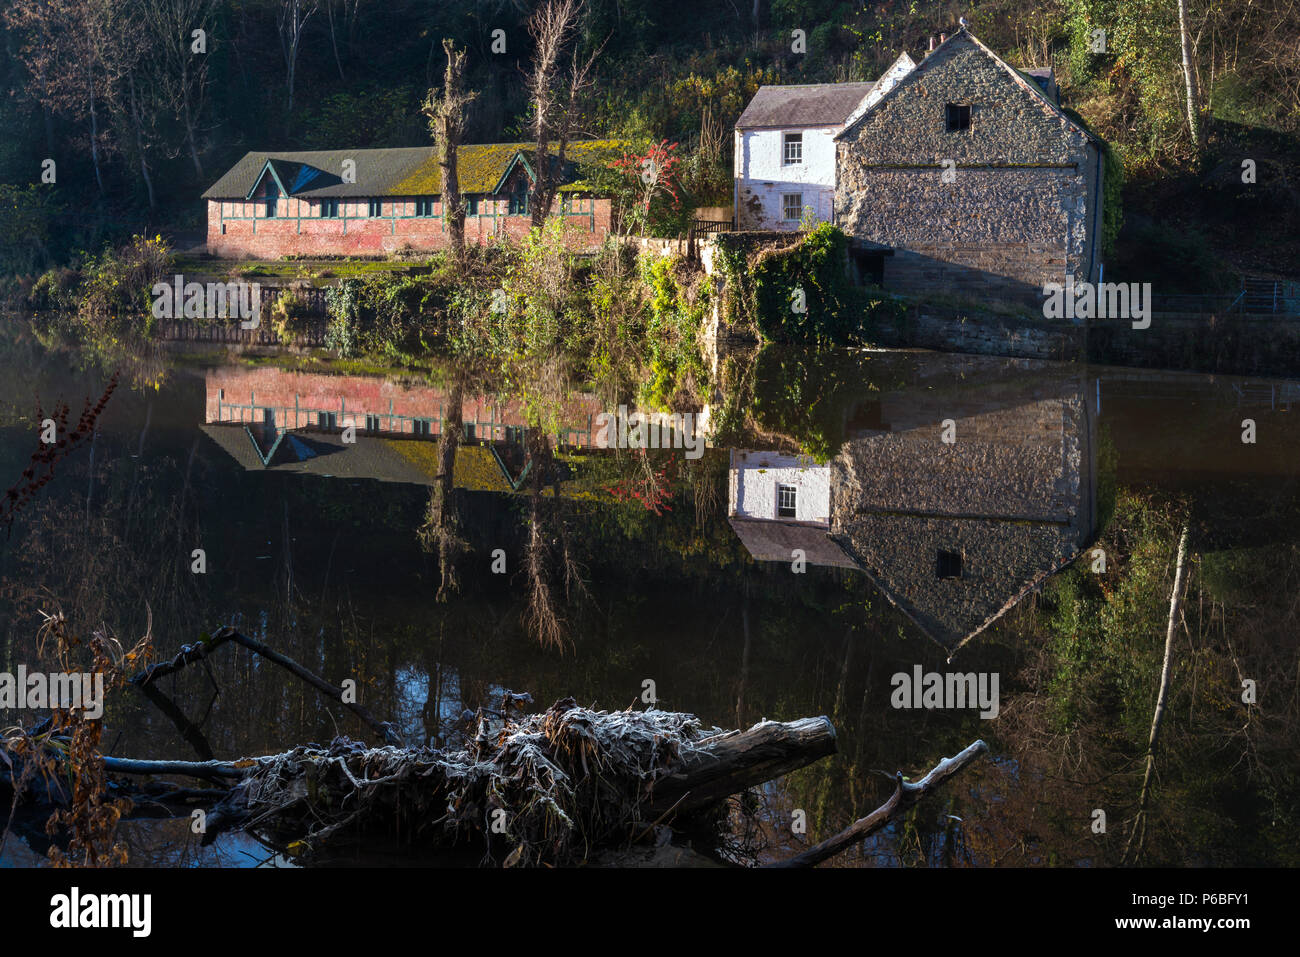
953	534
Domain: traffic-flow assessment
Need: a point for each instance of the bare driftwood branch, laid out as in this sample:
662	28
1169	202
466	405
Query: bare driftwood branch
905	795
204	647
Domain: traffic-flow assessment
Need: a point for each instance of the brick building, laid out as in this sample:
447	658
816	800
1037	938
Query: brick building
973	177
376	202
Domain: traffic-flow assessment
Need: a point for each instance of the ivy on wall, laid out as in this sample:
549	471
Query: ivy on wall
798	290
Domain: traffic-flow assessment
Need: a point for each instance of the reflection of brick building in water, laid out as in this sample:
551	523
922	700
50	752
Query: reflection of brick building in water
306	400
271	418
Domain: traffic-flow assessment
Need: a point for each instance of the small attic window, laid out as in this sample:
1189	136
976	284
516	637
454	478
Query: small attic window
958	117
948	565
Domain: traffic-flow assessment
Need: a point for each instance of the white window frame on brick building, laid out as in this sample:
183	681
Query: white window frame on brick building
787	206
787	501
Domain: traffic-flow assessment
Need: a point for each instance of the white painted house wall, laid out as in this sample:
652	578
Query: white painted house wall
755	476
761	175
763	179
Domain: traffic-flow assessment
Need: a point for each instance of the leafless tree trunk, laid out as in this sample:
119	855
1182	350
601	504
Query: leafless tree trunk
94	139
446	114
1189	78
137	121
179	73
552	28
1137	838
292	20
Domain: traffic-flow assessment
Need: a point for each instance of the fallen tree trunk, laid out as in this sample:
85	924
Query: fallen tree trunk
730	763
905	795
548	788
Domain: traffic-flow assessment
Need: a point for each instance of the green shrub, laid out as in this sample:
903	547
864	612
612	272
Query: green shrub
288	316
342	308
56	291
119	281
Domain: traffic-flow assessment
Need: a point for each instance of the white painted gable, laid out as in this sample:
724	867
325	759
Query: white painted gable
755	480
770	187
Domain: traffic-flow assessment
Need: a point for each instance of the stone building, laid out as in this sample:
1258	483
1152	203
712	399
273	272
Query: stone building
376	202
973	177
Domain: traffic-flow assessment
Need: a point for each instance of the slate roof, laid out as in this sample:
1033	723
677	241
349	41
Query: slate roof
321	453
385	458
814	104
404	171
770	541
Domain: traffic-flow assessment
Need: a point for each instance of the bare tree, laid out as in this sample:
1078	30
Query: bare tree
446	112
69	74
180	74
555	99
345	22
294	15
1189	79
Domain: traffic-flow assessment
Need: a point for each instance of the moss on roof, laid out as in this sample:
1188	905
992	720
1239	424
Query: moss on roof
401	172
476	469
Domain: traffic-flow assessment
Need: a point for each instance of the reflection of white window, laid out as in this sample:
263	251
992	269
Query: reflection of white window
786	497
791	149
792	206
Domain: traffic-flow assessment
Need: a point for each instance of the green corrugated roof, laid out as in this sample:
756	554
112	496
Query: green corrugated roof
407	171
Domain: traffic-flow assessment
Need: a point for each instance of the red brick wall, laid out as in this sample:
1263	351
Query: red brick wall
352	397
298	229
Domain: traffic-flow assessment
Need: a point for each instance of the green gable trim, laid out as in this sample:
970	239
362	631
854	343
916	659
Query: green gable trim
267	167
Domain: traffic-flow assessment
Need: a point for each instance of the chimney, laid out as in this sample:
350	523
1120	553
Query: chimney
943	37
933	44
